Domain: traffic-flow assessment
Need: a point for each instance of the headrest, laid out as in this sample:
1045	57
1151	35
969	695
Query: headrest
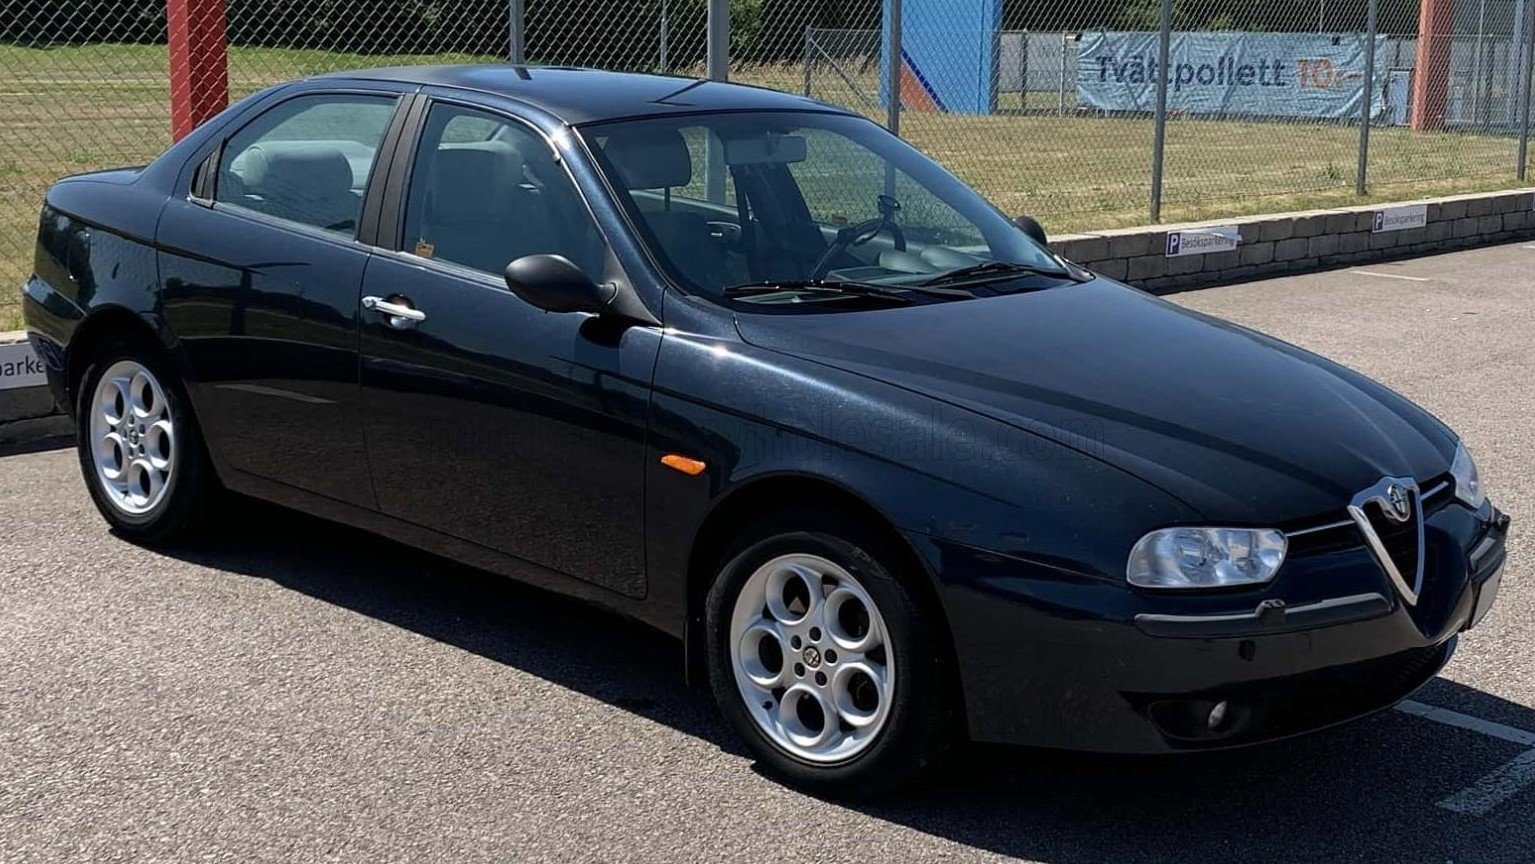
318	171
650	159
471	182
536	157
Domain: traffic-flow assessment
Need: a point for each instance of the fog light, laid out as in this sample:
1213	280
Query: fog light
1217	714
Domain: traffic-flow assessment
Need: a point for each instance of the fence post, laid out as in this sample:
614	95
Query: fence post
199	62
809	58
666	65
897	60
717	59
517	23
1159	136
1528	25
1431	69
1060	105
1477	62
717	48
1023	74
1366	98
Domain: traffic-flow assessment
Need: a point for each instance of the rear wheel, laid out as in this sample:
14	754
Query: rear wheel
823	661
139	447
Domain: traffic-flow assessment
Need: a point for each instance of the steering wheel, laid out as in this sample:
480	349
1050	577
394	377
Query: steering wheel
863	232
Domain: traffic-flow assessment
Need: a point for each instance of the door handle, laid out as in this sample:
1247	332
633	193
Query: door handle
398	315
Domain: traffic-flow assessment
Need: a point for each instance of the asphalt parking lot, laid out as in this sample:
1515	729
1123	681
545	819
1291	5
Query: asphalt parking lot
285	690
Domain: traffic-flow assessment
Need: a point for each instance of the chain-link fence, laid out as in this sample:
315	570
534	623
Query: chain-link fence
1053	109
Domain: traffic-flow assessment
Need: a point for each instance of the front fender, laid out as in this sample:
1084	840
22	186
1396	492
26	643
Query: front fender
934	470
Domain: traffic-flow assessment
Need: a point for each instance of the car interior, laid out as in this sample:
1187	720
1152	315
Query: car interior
485	192
478	203
656	161
485	203
317	183
764	229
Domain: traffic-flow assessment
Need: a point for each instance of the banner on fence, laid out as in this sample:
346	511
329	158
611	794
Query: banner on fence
1244	74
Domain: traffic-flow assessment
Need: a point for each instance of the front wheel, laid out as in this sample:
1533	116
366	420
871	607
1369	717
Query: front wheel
823	661
139	446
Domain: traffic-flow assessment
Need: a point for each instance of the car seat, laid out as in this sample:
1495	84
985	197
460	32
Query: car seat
659	159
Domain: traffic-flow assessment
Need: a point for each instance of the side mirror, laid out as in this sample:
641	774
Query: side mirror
1032	228
554	284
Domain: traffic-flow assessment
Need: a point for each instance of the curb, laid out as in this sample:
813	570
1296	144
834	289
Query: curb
39	433
1159	258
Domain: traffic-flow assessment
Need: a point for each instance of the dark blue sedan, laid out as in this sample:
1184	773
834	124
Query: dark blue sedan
756	372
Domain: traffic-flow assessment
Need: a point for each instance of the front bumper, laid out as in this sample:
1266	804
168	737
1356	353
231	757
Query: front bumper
1079	663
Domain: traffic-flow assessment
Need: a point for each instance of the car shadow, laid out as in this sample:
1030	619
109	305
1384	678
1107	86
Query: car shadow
1368	791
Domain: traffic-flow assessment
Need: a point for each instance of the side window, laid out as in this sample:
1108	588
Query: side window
307	160
485	191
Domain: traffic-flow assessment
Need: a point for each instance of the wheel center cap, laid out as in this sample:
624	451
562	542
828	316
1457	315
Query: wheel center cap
812	656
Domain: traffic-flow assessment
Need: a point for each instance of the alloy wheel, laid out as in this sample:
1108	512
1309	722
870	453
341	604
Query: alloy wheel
133	438
812	658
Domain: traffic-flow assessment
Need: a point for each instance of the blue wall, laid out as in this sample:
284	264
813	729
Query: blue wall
950	53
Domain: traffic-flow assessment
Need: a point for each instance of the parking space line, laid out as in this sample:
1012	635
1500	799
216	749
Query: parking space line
1466	721
1495	788
1391	276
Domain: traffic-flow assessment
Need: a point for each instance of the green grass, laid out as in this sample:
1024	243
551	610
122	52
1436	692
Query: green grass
70	109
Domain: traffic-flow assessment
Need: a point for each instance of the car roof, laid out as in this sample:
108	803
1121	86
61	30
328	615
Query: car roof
578	95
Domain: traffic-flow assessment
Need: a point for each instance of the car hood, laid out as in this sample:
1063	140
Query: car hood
1240	426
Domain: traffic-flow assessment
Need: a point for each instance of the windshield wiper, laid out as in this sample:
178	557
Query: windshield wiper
825	286
994	269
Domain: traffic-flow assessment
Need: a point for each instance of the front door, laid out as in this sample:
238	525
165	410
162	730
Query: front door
486	418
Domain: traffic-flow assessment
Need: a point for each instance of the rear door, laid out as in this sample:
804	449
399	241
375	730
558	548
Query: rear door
261	274
489	419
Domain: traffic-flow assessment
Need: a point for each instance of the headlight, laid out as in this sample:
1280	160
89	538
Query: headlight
1206	557
1468	484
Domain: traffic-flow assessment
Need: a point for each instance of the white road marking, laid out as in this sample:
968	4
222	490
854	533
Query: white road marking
1501	784
1495	788
1466	721
1391	276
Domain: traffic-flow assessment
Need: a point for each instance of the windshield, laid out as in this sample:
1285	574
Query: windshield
736	205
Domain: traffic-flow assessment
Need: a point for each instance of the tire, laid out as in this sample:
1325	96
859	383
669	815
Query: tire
899	690
134	422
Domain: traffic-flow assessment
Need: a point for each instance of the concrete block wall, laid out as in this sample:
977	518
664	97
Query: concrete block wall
1282	243
27	414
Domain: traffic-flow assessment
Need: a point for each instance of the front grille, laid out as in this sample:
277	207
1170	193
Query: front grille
1437	493
1337	532
1278	707
1400	539
1328	696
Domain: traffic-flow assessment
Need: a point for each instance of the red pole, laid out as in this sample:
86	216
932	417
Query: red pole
199	62
1431	77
